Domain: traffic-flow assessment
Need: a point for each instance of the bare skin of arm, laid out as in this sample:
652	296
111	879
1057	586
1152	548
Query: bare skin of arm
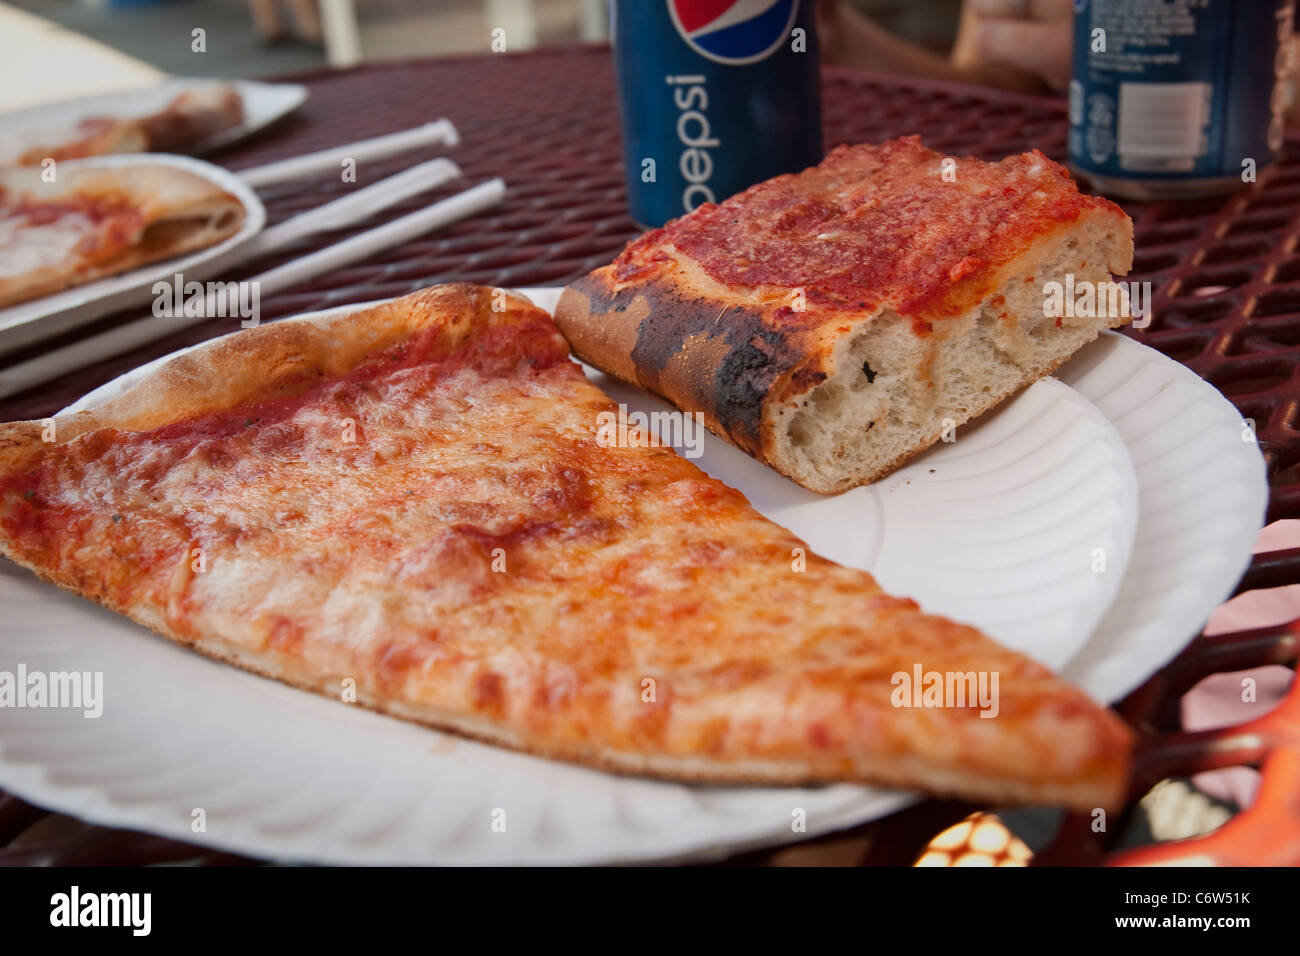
995	45
999	43
850	38
267	19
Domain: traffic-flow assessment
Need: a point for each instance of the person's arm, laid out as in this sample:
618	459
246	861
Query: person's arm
266	18
850	38
1017	46
1023	45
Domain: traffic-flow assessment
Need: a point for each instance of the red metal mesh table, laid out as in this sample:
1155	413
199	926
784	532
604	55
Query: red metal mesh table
1226	275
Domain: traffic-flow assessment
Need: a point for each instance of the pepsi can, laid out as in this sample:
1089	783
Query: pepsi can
1177	99
714	96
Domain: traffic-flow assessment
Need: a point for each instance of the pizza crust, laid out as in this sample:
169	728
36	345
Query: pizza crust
277	359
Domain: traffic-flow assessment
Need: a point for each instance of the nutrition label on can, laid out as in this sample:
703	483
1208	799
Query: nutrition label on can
1176	87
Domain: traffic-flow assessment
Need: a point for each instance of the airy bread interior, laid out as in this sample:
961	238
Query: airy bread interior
892	392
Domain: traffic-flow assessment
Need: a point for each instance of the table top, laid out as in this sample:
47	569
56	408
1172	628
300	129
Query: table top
1226	275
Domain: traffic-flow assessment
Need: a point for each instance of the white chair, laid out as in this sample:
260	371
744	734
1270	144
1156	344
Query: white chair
343	29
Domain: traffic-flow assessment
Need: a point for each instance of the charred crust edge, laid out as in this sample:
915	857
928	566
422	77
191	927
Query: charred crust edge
733	390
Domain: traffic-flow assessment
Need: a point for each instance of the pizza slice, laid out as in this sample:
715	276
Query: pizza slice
416	497
96	221
190	118
835	323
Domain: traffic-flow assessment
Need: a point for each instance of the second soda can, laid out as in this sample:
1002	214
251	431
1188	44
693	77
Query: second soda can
1177	99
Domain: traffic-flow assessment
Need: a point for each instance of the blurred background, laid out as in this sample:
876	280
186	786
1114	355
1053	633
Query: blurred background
257	38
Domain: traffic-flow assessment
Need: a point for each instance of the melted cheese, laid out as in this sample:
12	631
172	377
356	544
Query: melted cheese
28	248
450	534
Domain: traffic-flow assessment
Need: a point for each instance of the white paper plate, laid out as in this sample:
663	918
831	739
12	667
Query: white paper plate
1203	490
50	315
288	775
264	103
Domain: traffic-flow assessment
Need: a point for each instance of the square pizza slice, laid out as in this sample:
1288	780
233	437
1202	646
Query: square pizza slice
837	322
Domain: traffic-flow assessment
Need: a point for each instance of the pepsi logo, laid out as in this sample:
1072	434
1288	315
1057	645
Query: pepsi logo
734	31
